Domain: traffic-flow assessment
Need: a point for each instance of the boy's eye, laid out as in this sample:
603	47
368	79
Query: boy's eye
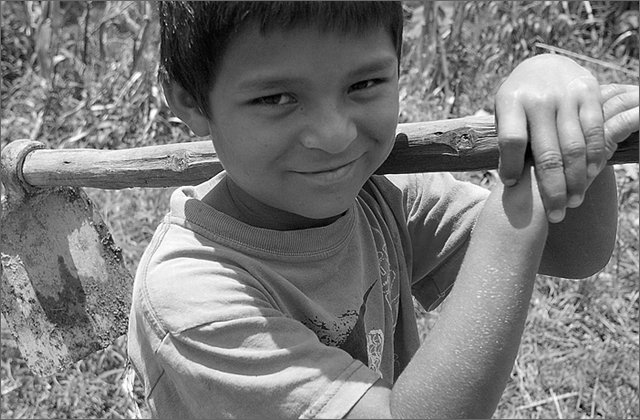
275	100
365	84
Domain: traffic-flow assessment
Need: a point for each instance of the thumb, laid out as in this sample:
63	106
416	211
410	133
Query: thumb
619	103
621	116
619	127
609	91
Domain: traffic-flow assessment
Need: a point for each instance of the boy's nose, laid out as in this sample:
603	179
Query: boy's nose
331	130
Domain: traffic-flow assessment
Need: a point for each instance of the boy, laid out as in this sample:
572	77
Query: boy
283	286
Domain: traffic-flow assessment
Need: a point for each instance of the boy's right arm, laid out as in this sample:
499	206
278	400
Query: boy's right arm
463	367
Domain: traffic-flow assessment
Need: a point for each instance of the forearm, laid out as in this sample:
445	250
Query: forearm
462	368
582	243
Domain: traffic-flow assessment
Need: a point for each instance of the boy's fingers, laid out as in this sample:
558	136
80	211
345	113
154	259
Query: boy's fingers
609	91
549	164
573	148
511	123
592	122
619	127
621	117
620	103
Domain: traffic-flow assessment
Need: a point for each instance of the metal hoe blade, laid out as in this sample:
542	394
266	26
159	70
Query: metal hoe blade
65	290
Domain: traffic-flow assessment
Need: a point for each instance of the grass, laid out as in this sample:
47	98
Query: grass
579	351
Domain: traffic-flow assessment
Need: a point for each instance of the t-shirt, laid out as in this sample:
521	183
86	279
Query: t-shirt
230	320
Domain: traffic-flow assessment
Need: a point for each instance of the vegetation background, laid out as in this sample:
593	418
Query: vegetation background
82	74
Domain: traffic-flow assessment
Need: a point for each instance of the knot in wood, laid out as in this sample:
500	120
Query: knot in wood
179	161
465	140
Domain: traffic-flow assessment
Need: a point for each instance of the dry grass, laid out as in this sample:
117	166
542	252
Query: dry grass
579	352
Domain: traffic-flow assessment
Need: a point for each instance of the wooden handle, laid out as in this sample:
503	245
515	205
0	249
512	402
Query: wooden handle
462	144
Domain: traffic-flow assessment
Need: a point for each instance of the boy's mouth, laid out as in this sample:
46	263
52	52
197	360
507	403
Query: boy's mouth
333	174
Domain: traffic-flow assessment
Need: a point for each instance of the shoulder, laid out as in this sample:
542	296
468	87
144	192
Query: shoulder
184	280
425	190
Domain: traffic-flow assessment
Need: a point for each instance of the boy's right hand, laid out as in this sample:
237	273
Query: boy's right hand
552	105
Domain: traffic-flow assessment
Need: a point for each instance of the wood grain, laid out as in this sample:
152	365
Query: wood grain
462	144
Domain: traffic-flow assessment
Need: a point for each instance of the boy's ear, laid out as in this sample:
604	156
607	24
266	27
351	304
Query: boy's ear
186	108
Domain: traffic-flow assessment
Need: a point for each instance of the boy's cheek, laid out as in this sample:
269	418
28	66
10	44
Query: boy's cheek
384	120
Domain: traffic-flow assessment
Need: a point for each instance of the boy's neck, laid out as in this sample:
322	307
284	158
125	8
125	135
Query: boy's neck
245	208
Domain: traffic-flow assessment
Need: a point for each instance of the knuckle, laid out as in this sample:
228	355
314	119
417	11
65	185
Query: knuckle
506	94
594	133
617	102
596	150
575	150
538	98
501	96
585	83
549	161
627	119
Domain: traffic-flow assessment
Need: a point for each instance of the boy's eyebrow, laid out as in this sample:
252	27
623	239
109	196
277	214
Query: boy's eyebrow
267	82
375	66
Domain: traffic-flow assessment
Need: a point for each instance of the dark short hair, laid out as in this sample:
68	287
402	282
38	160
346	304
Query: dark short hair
194	35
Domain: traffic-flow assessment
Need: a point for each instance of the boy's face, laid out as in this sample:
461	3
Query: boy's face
300	119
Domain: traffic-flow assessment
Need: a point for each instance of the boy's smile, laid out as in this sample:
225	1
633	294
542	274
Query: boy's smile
300	119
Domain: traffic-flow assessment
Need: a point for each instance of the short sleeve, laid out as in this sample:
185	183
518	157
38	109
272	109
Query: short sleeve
440	214
232	353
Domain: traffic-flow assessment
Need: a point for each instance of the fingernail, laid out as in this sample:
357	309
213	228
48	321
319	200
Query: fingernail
556	216
593	170
575	201
509	182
